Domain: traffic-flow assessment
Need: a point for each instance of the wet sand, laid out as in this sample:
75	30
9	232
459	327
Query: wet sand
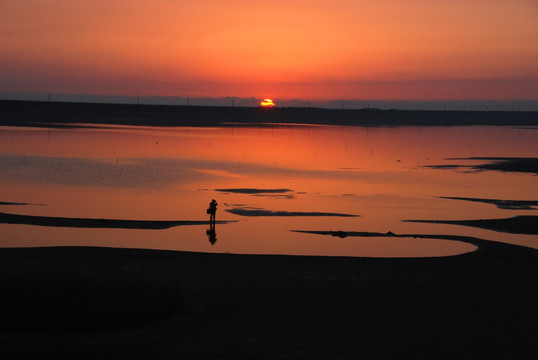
98	223
501	204
80	302
280	213
502	164
523	224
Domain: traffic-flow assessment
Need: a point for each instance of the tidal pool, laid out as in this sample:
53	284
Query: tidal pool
268	181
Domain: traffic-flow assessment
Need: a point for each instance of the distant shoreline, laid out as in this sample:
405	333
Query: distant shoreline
59	114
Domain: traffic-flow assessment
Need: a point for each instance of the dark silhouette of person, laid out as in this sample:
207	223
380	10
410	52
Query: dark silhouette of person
211	233
212	210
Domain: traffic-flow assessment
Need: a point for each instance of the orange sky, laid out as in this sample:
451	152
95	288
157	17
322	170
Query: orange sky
316	49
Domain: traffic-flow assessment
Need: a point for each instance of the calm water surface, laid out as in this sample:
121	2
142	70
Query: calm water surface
382	175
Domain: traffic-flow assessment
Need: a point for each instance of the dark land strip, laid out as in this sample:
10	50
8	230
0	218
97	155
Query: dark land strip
254	191
97	223
61	114
504	164
484	247
523	224
501	204
268	193
18	203
88	303
263	212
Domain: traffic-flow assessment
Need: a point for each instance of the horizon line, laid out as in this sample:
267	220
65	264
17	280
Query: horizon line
235	101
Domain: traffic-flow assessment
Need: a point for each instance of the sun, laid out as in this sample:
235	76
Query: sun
267	103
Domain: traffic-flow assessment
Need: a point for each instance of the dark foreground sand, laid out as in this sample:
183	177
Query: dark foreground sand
95	303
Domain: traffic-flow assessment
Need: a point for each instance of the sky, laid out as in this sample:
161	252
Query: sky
315	50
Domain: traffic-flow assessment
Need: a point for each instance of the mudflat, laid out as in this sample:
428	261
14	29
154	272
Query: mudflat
87	302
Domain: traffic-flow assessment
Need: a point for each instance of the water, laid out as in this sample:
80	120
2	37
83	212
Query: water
381	174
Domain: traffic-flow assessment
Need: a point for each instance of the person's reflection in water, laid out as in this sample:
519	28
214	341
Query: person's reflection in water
211	233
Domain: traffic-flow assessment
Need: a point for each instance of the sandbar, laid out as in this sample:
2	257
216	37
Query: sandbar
523	224
98	223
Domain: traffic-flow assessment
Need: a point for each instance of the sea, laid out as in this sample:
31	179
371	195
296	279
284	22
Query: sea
289	189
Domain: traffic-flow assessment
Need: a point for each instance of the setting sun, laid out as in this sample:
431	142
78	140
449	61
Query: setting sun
267	103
